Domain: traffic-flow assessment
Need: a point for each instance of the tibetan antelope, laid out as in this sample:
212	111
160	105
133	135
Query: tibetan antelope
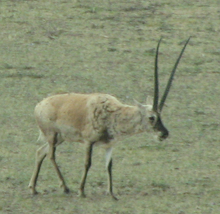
95	119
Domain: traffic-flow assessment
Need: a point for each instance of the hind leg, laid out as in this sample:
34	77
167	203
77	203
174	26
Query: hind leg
49	150
40	155
51	155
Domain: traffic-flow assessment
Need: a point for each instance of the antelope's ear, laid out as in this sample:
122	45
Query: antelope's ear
139	105
149	100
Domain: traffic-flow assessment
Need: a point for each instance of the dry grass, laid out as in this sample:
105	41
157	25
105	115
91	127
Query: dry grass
108	46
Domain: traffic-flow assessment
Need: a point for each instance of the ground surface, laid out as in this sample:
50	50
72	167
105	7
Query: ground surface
53	46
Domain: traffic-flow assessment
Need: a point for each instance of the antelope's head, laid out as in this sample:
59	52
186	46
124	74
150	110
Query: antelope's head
154	110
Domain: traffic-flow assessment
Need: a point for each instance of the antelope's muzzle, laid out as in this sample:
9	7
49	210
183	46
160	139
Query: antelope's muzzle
164	135
159	127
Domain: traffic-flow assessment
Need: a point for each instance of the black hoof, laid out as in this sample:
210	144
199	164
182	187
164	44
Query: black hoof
67	191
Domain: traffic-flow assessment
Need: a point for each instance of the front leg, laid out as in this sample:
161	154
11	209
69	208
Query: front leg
88	163
109	170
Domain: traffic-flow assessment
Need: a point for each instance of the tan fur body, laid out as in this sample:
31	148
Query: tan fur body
99	118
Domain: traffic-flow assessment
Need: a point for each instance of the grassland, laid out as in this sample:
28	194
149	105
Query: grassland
108	46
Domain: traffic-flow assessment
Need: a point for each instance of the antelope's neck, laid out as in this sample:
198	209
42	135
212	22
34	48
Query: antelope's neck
125	121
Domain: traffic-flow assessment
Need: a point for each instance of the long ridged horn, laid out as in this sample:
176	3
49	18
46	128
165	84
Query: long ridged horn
156	81
171	78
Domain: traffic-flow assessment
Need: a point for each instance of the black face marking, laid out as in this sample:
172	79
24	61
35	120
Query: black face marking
159	127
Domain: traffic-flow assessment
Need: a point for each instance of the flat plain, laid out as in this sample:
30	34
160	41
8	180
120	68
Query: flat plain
55	46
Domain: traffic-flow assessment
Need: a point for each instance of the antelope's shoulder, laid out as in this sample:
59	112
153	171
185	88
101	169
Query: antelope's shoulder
104	101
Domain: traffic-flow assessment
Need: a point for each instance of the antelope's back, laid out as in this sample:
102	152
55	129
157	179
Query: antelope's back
76	116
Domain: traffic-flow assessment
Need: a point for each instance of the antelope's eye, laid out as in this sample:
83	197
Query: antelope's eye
152	118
